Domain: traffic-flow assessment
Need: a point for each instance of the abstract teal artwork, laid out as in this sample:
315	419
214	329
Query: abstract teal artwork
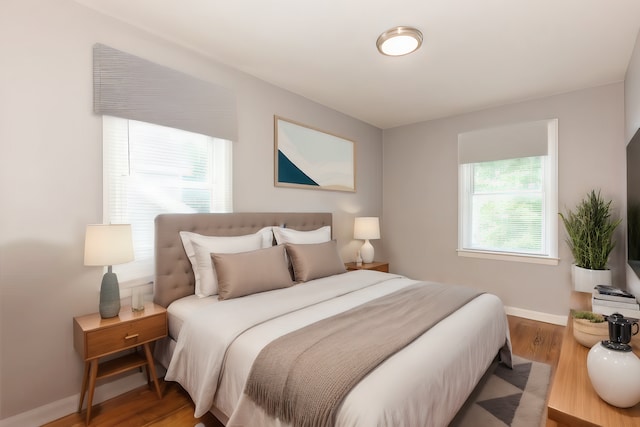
309	158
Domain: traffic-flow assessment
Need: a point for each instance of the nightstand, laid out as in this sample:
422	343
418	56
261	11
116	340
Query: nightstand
378	266
94	337
572	399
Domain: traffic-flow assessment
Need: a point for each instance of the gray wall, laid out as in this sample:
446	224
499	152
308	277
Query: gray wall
420	194
632	124
51	179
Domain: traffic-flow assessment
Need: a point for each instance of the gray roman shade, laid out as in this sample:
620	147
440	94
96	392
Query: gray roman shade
506	142
130	87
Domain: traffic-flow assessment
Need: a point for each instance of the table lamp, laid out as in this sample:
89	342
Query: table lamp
107	245
366	228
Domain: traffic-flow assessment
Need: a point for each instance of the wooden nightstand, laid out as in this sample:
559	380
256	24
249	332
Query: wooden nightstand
94	337
572	399
378	266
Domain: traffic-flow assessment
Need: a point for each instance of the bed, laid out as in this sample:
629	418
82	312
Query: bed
213	344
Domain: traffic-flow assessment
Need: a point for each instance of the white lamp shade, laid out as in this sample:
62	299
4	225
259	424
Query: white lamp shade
366	227
108	244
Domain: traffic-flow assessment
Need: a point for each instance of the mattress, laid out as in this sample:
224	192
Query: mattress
423	384
181	309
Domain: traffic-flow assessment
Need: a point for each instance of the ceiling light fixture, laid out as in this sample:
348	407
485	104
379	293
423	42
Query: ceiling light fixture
399	41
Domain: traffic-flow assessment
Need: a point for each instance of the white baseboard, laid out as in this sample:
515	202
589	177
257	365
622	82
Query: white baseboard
63	407
537	315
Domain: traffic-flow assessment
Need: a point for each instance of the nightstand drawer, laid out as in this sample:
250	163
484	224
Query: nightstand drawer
124	335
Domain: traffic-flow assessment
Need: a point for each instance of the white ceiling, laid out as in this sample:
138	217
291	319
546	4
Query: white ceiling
475	54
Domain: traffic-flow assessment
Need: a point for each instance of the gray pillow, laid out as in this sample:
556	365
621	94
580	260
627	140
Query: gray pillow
313	261
247	273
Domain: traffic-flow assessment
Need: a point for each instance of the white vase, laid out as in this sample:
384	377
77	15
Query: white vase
615	375
366	252
584	280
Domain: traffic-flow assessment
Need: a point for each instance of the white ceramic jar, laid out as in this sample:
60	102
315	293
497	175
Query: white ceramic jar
615	375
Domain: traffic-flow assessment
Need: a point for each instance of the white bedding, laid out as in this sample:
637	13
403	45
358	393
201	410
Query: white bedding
423	384
182	309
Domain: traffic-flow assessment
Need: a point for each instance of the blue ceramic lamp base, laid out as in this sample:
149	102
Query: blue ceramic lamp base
109	295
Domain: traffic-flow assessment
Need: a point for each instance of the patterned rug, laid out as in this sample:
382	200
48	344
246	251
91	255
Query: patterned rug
506	397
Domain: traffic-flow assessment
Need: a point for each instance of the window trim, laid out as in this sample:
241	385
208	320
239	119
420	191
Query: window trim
141	271
506	256
550	202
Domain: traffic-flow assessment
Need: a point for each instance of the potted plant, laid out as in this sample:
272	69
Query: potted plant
589	328
590	231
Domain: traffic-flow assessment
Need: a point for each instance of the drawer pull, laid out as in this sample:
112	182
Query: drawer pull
130	337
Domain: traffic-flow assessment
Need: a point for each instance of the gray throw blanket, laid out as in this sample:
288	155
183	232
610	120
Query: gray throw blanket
302	377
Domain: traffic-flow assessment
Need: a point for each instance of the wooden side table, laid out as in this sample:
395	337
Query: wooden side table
378	266
573	400
94	337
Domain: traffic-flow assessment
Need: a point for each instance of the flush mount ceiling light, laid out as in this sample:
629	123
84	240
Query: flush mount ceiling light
399	41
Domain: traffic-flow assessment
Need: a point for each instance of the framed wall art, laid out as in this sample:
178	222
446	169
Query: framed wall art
309	158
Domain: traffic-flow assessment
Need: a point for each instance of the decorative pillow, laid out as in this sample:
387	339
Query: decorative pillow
289	235
313	261
248	273
199	249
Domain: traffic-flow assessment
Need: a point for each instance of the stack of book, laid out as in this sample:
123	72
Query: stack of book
608	300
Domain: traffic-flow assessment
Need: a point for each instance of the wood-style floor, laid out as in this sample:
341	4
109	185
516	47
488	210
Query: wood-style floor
530	339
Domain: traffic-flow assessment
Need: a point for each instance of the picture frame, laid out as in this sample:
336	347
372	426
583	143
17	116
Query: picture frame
306	157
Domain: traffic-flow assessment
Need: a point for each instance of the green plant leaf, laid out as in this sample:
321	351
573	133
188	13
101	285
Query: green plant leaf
590	231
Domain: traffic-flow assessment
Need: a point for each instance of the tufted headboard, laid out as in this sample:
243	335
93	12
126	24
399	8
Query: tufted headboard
173	274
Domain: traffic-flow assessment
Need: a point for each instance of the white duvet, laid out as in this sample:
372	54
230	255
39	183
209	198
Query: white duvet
424	384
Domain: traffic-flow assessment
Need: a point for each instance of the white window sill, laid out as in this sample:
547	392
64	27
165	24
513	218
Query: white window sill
533	259
133	283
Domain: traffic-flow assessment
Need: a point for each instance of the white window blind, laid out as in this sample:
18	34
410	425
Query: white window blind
508	190
151	169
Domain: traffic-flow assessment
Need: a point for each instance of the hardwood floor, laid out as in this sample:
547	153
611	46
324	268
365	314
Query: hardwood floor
141	407
537	341
530	339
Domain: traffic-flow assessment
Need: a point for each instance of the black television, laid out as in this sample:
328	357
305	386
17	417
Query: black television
633	203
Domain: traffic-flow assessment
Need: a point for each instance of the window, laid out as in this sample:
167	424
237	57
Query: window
507	192
151	169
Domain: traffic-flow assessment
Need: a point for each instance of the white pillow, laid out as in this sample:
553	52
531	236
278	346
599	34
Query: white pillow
289	235
199	249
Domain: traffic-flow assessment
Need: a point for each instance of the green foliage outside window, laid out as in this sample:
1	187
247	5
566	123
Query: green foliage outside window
520	174
508	208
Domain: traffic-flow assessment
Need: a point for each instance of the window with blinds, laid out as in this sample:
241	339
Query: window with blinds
151	169
508	190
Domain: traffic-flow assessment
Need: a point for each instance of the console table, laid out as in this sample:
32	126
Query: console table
573	401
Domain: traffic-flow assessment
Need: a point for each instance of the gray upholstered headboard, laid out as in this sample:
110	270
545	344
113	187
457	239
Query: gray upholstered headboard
173	274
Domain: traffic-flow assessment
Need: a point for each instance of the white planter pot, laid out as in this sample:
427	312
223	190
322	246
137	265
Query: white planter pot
584	280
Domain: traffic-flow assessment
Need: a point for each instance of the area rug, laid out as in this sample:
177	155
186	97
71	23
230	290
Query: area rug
508	397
